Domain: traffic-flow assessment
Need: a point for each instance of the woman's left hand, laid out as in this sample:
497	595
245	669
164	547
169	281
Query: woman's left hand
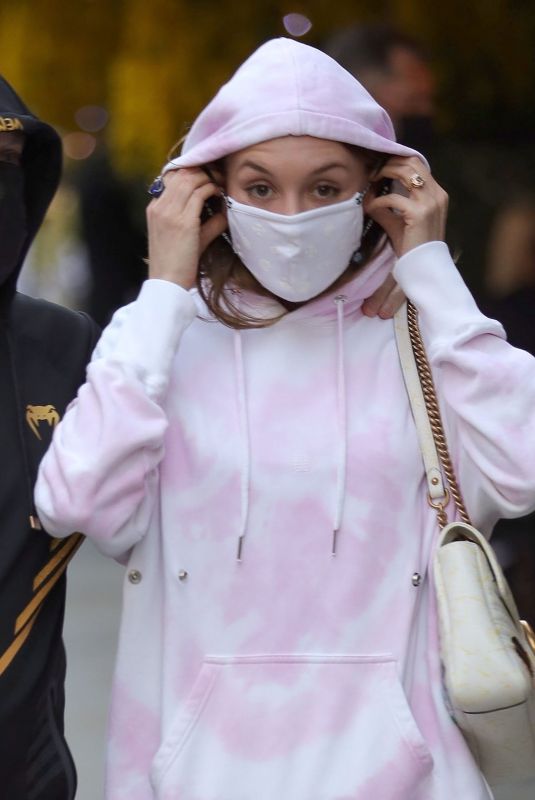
385	301
413	220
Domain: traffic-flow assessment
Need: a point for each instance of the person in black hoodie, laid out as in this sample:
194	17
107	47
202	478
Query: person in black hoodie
43	353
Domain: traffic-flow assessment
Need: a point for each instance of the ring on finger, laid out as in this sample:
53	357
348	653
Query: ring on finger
157	187
417	181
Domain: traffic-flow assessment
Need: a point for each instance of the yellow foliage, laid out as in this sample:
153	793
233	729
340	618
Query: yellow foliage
154	63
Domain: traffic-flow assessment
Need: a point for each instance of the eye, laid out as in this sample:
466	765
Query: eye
326	191
260	191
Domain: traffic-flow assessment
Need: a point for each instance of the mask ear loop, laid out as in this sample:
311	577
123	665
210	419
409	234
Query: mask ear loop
226	234
357	256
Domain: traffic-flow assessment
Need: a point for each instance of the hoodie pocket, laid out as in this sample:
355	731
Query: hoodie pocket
294	727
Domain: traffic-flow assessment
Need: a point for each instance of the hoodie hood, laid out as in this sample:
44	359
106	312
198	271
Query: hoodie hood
41	164
286	88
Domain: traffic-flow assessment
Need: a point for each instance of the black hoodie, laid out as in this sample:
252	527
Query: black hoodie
43	352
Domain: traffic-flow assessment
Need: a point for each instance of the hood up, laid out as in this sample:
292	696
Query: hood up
41	163
286	88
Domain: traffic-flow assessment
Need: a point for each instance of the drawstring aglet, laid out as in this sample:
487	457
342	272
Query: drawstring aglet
240	547
335	536
35	523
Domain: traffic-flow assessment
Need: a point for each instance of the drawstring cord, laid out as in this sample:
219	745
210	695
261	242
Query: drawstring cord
245	461
342	422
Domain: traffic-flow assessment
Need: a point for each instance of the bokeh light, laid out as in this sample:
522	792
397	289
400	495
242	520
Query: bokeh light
297	24
78	145
91	118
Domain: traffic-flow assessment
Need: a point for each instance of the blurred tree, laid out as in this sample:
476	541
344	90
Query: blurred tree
58	54
154	64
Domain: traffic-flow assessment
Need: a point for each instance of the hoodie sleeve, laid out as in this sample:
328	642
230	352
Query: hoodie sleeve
485	387
99	475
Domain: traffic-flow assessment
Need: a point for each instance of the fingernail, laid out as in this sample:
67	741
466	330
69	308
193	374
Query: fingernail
369	311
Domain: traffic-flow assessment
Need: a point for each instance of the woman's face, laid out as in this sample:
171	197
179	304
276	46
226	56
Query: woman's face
294	174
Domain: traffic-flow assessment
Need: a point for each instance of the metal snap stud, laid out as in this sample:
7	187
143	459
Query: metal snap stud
182	575
416	579
134	576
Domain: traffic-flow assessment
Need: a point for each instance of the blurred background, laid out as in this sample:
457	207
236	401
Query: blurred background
151	66
123	79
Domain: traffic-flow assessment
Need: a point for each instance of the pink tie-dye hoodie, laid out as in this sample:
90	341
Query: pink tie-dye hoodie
292	674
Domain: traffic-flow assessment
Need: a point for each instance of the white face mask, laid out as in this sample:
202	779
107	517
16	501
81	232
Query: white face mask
297	256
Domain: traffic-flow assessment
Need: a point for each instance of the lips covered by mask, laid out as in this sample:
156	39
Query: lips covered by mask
296	256
13	228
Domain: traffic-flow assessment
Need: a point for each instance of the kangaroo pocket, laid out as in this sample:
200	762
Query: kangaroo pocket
293	727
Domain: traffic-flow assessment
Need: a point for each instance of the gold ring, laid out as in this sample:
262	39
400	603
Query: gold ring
417	181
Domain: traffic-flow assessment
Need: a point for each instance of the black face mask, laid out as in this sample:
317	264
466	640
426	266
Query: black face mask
417	131
13	228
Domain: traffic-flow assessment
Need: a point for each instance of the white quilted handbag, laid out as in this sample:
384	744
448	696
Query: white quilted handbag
487	652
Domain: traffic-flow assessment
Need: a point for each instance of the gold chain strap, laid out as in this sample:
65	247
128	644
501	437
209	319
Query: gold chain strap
433	412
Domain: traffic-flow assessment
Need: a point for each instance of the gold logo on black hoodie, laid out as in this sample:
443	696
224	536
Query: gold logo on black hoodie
10	124
37	414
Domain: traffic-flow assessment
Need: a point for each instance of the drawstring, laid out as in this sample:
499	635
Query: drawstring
342	422
245	461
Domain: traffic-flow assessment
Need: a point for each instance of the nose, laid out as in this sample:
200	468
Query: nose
291	203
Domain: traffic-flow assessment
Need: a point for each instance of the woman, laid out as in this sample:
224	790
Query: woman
248	450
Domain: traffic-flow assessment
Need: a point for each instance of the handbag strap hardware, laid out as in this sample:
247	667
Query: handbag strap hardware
440	507
423	399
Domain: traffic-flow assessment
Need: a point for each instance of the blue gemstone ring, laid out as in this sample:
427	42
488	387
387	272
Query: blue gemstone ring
157	186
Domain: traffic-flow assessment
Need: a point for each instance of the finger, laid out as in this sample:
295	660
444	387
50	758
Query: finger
392	303
388	212
179	184
392	202
211	229
198	198
185	203
413	210
373	303
184	182
412	163
405	173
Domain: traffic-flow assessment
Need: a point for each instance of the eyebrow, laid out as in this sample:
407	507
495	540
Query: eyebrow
252	165
318	171
332	165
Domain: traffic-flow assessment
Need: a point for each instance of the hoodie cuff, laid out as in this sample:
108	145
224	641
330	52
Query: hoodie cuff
150	335
447	310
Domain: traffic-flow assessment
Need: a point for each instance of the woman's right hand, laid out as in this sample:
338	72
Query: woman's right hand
177	238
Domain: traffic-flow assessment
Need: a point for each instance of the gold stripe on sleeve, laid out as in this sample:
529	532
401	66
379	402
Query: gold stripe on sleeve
69	544
39	598
14	647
